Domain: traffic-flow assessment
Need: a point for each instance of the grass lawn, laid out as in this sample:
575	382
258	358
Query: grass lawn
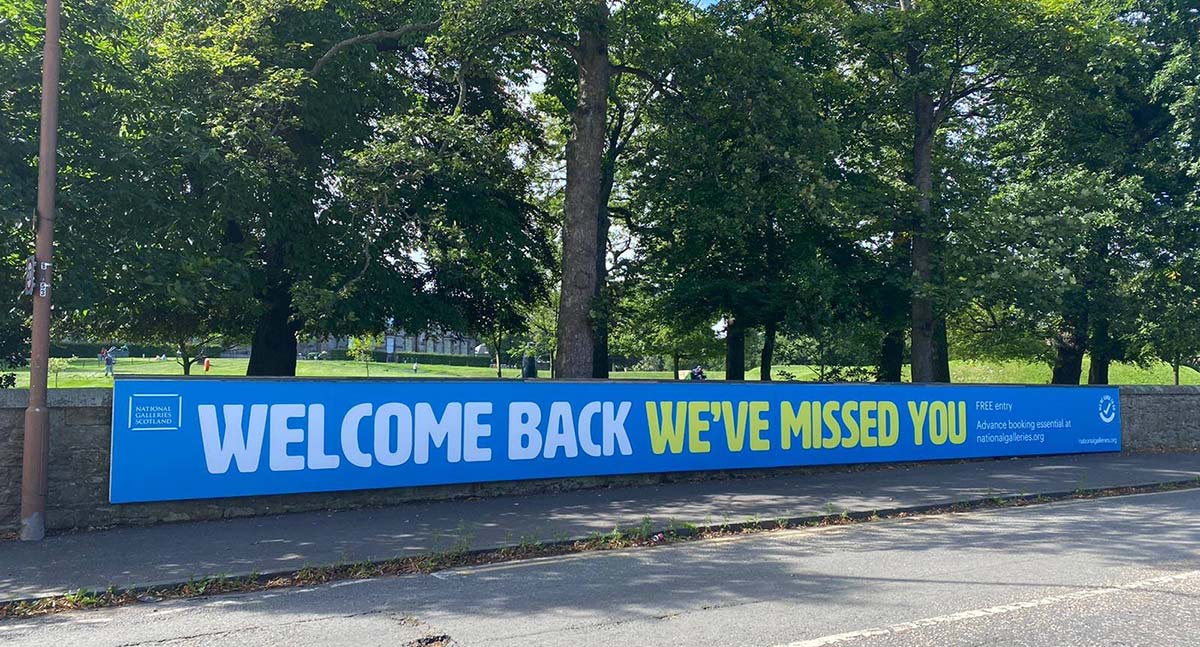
89	372
964	372
1013	372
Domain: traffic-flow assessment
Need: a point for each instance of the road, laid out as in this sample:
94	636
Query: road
1119	571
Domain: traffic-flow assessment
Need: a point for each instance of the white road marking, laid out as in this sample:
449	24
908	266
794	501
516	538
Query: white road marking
1002	609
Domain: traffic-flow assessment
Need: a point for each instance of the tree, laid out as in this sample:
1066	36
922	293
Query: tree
273	174
569	40
1063	245
1085	204
1169	326
648	327
157	296
944	61
362	349
1170	283
91	71
733	173
541	332
14	326
57	365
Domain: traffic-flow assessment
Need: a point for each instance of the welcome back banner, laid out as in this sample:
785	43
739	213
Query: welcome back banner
200	438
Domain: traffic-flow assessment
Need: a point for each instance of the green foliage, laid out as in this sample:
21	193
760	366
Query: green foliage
363	349
735	173
14	326
237	172
439	359
57	365
221	181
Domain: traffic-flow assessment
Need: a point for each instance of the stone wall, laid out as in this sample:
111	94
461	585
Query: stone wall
80	428
1160	417
80	432
1154	418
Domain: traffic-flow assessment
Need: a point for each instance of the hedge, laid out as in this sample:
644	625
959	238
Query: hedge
74	349
77	349
440	359
437	359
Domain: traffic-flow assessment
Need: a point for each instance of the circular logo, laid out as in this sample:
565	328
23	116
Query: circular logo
1108	409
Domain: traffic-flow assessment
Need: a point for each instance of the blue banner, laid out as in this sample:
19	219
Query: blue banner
207	438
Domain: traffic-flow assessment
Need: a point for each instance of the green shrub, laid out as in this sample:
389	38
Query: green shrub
437	359
92	349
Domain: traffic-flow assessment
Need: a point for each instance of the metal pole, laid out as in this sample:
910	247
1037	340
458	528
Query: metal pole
37	416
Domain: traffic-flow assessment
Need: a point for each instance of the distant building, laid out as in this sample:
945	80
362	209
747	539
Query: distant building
442	343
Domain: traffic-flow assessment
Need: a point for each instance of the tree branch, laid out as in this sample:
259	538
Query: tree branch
641	74
344	291
553	37
373	37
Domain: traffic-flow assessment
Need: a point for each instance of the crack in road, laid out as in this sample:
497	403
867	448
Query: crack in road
403	620
619	623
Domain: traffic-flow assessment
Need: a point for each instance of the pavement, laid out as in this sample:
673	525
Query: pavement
174	553
1113	571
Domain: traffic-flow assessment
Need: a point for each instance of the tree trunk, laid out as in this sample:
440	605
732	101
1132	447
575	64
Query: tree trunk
924	359
735	351
600	365
1102	352
891	358
499	371
1175	369
768	352
185	359
1068	365
1069	347
675	366
273	347
603	308
585	155
941	351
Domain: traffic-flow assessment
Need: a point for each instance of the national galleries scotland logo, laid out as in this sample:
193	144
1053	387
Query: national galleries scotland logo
155	412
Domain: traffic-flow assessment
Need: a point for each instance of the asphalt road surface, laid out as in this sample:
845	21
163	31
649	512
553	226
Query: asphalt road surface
1121	571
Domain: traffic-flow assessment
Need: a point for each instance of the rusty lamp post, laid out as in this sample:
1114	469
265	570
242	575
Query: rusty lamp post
37	416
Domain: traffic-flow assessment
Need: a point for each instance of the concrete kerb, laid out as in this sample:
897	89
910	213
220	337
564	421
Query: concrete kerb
559	547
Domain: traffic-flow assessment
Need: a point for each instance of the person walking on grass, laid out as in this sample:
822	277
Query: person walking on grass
110	363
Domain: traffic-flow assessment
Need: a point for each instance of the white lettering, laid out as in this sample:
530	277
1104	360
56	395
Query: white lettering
560	431
350	424
383	434
445	432
474	430
317	458
614	429
590	410
524	439
246	449
283	435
